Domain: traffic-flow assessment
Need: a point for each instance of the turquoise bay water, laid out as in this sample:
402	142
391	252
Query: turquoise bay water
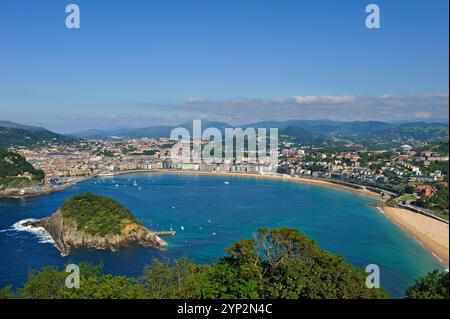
215	215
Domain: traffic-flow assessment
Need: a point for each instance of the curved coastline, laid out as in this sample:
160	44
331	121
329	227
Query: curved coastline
286	178
429	232
432	234
33	191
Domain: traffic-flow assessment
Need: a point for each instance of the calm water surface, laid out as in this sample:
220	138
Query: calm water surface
215	215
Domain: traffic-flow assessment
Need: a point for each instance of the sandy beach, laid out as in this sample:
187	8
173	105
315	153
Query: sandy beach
285	178
432	233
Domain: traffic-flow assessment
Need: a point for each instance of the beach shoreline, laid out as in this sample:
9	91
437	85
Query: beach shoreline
286	178
429	232
432	234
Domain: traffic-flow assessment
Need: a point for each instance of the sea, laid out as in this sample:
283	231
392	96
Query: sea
210	213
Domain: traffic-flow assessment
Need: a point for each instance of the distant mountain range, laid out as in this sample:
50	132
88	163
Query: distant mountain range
151	131
306	131
300	131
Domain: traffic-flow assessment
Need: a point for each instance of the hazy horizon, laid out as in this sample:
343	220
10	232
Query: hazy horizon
207	121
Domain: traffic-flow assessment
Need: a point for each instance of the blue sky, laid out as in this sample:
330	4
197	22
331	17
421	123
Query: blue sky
139	63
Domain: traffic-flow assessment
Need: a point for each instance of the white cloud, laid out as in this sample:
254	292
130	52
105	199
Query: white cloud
386	107
423	115
194	99
323	100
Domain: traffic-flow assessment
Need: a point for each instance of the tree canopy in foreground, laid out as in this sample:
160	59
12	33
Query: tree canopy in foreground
277	263
433	286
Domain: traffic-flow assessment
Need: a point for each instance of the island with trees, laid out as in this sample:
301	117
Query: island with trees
95	221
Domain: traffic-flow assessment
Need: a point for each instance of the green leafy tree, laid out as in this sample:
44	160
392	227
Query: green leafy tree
97	215
279	263
410	189
49	283
182	280
433	286
12	166
6	292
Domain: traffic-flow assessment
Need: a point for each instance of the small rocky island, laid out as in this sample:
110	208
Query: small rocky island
99	222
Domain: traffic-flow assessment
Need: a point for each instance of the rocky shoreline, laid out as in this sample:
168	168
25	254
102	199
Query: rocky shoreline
67	237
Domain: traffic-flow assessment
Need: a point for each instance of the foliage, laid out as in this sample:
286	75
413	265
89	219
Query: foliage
183	279
49	283
415	131
433	286
97	215
280	263
302	136
406	198
108	153
6	292
14	182
438	204
10	136
149	152
12	165
442	149
409	189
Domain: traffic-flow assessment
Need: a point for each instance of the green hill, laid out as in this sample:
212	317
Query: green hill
379	130
97	215
371	134
11	136
13	167
21	126
302	136
434	132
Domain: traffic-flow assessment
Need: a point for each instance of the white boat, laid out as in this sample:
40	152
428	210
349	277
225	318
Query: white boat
226	183
182	227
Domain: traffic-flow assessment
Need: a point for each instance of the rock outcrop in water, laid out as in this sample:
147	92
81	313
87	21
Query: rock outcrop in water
98	222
